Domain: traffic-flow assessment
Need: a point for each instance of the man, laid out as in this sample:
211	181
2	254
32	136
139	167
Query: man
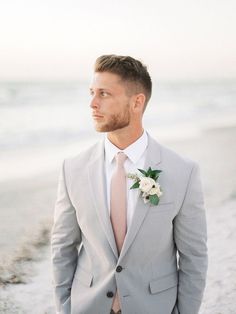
121	250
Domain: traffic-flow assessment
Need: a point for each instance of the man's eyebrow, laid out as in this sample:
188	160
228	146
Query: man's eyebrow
99	88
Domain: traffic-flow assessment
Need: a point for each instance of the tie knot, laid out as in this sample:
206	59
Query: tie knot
120	158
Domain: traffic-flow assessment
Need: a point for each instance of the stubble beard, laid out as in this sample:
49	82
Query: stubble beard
116	122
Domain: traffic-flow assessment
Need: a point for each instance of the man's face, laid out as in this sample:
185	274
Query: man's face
110	103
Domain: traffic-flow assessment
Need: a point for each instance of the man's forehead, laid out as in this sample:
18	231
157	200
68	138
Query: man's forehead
104	80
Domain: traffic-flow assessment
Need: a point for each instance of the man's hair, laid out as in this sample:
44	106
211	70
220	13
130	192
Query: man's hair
129	69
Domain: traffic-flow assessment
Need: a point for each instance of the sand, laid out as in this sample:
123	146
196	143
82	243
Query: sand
214	150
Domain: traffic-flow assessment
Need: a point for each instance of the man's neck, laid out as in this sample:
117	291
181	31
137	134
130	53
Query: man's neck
123	140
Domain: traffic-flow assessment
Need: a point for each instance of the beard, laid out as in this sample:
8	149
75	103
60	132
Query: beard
116	122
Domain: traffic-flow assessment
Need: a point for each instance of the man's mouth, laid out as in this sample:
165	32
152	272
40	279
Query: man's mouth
97	116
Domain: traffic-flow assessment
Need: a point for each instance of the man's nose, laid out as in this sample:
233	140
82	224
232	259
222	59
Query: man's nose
94	102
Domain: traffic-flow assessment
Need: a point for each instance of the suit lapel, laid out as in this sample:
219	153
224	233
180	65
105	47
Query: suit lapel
96	173
153	158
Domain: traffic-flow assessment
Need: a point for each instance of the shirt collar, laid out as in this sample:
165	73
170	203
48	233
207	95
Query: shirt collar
133	151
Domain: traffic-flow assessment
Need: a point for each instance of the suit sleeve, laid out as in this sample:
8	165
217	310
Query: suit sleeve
65	237
190	234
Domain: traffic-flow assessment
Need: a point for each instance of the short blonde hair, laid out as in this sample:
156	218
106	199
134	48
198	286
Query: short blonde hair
129	69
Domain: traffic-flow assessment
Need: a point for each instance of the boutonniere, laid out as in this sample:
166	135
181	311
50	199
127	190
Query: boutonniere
148	185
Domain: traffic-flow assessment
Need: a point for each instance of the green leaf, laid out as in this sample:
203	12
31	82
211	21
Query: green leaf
135	185
150	172
154	177
154	199
156	171
155	174
143	172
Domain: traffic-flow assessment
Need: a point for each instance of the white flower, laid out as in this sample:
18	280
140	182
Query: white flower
156	190
146	184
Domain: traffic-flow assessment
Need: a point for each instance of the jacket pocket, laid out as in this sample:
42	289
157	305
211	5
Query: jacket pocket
84	277
163	283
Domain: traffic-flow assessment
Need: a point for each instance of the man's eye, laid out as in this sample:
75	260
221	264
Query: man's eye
91	93
104	94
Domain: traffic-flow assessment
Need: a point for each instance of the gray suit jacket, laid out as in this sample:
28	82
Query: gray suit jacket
164	256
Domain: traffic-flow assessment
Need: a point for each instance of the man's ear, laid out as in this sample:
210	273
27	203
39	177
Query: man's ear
139	102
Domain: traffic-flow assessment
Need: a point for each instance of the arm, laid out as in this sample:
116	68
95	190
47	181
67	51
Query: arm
65	238
190	237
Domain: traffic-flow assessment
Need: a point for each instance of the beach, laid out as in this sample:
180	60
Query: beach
214	149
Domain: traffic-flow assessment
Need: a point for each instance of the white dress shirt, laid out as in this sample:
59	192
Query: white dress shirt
136	154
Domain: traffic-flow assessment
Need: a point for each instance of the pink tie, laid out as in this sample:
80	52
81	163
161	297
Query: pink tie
118	209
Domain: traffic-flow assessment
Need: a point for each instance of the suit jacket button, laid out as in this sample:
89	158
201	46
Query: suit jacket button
119	269
110	294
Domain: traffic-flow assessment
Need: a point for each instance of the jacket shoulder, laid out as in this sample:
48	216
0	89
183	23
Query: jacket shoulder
81	160
171	156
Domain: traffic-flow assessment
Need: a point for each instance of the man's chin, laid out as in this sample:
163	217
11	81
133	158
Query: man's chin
100	128
109	128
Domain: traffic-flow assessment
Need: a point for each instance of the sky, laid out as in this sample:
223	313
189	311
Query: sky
60	39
